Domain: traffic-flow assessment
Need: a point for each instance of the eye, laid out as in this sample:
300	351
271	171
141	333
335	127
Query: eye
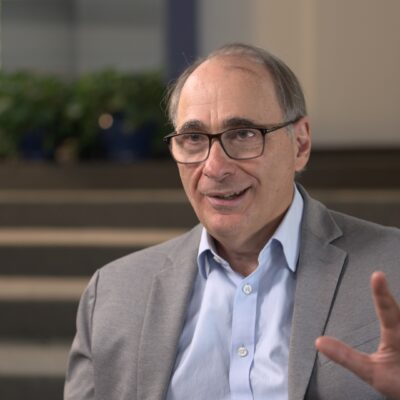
246	134
194	137
191	138
242	134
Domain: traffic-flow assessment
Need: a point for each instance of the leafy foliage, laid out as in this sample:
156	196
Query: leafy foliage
70	111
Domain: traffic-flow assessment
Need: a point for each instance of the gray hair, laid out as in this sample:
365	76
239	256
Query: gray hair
288	89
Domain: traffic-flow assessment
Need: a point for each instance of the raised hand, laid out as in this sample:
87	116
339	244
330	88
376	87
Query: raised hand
382	368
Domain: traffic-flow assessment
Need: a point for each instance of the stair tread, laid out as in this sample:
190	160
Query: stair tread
96	237
44	288
166	196
91	196
37	359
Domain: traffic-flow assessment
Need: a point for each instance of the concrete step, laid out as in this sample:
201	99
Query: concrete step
44	307
96	208
31	387
57	260
377	205
348	168
70	251
160	208
33	359
39	289
38	320
60	223
353	169
32	370
106	237
39	308
144	175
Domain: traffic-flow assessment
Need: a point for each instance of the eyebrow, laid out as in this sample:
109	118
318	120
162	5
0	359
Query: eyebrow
238	122
192	124
235	122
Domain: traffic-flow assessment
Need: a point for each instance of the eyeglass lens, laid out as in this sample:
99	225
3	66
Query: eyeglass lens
237	144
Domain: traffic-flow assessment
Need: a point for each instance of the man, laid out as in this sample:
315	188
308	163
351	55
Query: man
234	308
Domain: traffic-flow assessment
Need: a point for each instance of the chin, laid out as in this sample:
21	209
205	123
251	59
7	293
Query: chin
224	226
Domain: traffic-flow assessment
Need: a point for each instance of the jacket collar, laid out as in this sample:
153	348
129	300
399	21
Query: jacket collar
318	274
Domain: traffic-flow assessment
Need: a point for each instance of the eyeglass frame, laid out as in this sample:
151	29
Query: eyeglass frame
217	136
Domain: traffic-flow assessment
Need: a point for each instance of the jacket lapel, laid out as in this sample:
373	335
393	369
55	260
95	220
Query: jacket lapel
164	319
318	274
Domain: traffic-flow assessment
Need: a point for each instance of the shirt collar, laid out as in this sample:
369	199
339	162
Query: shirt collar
207	245
287	234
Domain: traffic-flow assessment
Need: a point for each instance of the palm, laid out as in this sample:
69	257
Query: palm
382	368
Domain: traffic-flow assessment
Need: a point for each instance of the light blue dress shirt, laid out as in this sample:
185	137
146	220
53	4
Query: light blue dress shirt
235	340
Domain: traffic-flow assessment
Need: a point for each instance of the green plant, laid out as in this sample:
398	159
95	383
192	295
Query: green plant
73	113
30	102
137	97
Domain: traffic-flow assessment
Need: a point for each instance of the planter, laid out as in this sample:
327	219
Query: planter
121	144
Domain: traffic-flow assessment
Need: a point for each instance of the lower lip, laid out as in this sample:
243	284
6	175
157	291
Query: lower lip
218	202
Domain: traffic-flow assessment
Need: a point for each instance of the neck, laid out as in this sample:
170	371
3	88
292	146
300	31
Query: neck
242	262
242	252
242	255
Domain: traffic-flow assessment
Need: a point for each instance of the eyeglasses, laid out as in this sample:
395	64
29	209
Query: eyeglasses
238	143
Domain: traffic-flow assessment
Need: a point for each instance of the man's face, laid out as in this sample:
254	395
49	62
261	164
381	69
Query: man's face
239	202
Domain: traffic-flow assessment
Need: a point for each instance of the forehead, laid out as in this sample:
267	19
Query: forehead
228	87
219	70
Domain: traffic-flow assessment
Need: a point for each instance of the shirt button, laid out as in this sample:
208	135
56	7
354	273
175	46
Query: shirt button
247	289
242	351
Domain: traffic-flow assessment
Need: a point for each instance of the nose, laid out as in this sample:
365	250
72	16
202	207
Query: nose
218	165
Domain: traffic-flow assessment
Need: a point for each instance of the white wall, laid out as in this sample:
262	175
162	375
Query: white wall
129	34
69	37
37	35
358	72
345	52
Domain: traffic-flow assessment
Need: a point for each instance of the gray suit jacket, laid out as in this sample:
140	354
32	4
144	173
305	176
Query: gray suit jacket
132	313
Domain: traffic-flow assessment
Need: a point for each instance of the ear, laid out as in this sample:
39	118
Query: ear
302	142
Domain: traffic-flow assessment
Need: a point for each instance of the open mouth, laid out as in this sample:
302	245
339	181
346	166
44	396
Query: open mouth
229	196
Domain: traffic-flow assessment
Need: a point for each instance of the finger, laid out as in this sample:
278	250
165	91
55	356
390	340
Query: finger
339	352
387	309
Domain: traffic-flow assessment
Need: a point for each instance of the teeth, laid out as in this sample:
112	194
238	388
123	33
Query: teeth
230	196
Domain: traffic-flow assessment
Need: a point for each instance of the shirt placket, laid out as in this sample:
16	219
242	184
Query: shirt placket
243	338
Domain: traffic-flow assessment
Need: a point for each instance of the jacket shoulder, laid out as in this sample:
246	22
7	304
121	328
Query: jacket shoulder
152	259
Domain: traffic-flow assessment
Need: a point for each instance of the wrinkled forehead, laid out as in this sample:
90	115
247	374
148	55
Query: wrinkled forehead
228	87
230	75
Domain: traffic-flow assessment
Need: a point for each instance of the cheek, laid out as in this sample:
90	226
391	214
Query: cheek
189	176
274	176
283	160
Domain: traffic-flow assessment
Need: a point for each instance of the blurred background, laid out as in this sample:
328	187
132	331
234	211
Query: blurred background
84	175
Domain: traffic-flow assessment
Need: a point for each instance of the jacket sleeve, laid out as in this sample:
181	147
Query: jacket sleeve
79	383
